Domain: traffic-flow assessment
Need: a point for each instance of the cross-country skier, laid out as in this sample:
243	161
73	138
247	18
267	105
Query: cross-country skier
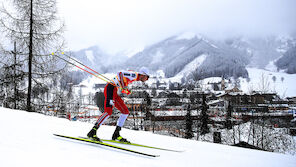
121	80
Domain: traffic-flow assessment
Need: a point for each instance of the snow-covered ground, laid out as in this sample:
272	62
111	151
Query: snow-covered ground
279	82
192	65
26	140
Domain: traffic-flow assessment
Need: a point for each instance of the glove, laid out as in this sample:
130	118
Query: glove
126	91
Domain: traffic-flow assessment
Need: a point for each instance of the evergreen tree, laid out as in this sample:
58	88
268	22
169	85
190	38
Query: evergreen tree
228	123
189	123
11	79
204	117
12	96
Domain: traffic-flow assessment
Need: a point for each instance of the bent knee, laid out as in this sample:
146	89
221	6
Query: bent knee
108	110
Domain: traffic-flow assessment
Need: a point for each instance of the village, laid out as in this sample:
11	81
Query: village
200	111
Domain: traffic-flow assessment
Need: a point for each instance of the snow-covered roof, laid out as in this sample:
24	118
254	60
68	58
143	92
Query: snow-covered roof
214	102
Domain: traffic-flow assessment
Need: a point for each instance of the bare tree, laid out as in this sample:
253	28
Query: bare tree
264	84
34	26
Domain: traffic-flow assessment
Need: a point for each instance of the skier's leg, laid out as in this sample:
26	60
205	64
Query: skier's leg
119	104
102	119
121	120
108	92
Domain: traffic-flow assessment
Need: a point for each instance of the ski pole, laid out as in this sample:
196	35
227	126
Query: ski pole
86	66
86	70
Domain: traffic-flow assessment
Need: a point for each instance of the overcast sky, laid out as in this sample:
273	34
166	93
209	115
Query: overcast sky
117	25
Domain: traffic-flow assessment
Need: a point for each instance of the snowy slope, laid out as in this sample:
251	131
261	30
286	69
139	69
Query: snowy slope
192	66
27	141
283	83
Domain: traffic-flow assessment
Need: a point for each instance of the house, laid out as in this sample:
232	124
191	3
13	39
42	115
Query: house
239	98
136	104
292	99
216	107
235	89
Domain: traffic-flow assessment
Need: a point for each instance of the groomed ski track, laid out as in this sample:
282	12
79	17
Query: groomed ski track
26	140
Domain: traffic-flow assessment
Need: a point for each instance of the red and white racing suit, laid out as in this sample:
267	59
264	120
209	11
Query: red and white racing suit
121	80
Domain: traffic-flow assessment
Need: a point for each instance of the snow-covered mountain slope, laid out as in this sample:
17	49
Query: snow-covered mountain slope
192	65
279	82
27	141
91	57
227	57
288	61
97	59
173	54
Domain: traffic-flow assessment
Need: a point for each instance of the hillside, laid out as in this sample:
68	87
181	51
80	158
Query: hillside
27	140
200	56
278	82
173	54
288	61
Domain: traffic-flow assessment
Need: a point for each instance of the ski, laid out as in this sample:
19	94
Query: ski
141	145
135	144
105	144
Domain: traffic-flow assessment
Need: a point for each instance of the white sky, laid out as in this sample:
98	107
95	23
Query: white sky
117	25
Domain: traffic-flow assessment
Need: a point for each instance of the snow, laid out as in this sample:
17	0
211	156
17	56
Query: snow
186	35
212	80
271	66
284	88
208	42
157	57
27	141
90	56
193	65
131	52
189	68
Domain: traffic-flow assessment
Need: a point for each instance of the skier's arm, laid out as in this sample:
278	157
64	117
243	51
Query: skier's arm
125	78
121	81
122	84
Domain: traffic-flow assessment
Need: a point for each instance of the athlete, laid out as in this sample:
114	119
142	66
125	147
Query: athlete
121	81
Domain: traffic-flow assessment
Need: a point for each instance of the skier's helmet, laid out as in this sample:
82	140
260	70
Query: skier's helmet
144	71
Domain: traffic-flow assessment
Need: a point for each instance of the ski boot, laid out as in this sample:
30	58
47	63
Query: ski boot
92	134
116	136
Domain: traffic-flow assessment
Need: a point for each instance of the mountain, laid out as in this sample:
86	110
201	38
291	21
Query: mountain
27	140
97	59
197	57
211	58
91	57
288	61
173	54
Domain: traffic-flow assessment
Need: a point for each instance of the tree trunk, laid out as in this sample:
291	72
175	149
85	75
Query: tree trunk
30	60
14	78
